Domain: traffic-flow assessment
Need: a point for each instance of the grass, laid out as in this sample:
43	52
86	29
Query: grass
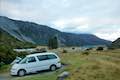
98	65
103	65
4	68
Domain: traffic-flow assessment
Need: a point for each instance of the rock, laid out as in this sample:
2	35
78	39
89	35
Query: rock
63	75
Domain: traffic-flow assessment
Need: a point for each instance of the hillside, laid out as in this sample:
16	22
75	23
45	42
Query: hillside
39	34
9	41
116	43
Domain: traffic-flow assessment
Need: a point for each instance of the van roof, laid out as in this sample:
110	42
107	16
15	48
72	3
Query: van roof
36	54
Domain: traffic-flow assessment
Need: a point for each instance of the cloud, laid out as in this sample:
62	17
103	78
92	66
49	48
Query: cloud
106	28
99	17
71	25
108	36
110	33
83	23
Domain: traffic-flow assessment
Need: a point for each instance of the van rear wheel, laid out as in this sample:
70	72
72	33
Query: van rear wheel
53	68
21	73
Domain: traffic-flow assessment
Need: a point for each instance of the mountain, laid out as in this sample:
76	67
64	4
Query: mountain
116	43
39	34
8	41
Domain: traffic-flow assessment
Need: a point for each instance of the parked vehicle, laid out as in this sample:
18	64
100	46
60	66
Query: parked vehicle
36	62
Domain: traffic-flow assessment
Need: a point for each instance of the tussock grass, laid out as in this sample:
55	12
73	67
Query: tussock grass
103	65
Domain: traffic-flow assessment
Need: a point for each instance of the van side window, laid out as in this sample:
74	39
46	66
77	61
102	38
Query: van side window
42	57
52	57
31	59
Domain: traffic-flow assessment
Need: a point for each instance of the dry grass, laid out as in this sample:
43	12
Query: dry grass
103	65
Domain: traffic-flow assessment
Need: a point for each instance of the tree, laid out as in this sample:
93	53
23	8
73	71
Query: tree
100	49
53	42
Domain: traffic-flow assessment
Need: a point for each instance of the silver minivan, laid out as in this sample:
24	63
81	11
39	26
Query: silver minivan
36	62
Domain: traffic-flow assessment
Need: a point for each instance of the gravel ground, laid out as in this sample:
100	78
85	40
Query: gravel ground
5	76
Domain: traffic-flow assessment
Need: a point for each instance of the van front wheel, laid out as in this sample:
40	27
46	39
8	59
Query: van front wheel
21	73
53	68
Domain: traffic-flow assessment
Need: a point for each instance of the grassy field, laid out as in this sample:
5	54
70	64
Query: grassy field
98	65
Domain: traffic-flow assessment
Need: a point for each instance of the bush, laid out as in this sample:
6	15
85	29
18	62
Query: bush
64	51
100	49
22	54
85	53
1	64
73	48
7	55
88	49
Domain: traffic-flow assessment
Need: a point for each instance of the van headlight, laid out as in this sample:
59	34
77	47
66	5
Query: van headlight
13	69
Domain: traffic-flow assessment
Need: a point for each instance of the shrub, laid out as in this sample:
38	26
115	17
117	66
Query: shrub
100	48
1	64
73	48
85	53
89	49
64	51
8	55
22	54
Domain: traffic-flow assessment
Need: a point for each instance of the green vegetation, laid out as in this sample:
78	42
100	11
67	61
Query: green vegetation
53	43
7	44
64	51
100	48
4	68
85	53
9	41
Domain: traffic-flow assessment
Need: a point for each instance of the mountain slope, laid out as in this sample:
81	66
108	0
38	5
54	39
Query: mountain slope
39	34
8	41
116	43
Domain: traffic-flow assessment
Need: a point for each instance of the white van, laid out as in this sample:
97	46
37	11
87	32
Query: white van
36	62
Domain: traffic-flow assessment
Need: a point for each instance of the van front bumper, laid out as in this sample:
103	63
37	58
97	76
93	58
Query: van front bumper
13	72
58	65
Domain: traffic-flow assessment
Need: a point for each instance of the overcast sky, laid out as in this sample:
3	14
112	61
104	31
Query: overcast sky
99	17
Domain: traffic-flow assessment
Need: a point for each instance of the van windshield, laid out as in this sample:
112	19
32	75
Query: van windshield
16	61
24	60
